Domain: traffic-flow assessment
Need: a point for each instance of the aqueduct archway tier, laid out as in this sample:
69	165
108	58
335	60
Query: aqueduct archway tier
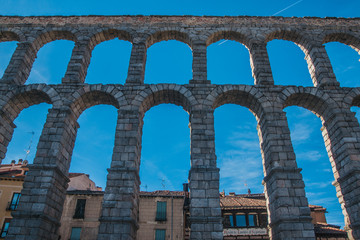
289	217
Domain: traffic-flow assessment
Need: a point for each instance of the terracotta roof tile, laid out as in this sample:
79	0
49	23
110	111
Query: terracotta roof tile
162	193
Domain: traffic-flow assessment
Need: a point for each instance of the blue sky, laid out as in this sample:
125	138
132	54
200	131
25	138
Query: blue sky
165	157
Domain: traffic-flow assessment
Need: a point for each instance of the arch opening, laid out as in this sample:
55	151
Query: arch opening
345	61
229	63
288	64
164	167
53	58
310	151
26	134
166	153
237	144
94	143
6	51
241	170
168	62
109	62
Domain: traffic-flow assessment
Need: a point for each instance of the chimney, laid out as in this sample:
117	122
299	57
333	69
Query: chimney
185	187
249	191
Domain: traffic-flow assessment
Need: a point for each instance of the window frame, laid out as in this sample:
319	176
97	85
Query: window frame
256	223
5	227
161	213
79	212
160	234
12	206
72	231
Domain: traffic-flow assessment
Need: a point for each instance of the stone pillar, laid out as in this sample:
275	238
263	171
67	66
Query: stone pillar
288	210
205	211
137	63
260	64
18	70
79	62
121	200
6	131
319	66
44	190
342	139
199	64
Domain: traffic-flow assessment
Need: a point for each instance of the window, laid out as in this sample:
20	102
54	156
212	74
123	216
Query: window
14	201
241	220
161	211
244	220
5	227
160	234
80	208
229	220
253	219
75	233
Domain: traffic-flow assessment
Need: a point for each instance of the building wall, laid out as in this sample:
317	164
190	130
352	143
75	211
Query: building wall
89	224
147	214
7	188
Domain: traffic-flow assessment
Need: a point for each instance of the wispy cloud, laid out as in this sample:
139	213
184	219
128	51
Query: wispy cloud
241	163
300	132
39	75
286	8
313	156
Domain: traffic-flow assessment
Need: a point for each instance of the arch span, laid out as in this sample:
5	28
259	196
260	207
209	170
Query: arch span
10	36
109	34
246	96
89	96
173	34
164	93
345	38
229	35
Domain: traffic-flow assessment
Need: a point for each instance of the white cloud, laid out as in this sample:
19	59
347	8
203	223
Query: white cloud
313	155
300	132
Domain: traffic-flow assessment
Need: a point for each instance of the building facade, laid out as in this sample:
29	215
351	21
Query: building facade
81	210
11	182
163	215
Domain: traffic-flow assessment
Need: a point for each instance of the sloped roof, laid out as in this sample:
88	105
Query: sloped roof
325	229
162	193
242	202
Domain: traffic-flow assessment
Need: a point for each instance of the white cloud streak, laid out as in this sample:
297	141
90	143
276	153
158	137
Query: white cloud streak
286	8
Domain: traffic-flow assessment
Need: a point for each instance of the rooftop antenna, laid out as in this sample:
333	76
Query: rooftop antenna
163	183
30	143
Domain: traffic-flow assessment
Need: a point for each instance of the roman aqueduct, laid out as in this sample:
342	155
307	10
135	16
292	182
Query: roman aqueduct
44	190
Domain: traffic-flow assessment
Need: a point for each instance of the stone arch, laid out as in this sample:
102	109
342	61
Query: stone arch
339	135
312	99
292	36
89	96
239	37
17	100
246	96
352	98
164	93
229	35
23	97
109	34
345	38
52	35
10	35
165	35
